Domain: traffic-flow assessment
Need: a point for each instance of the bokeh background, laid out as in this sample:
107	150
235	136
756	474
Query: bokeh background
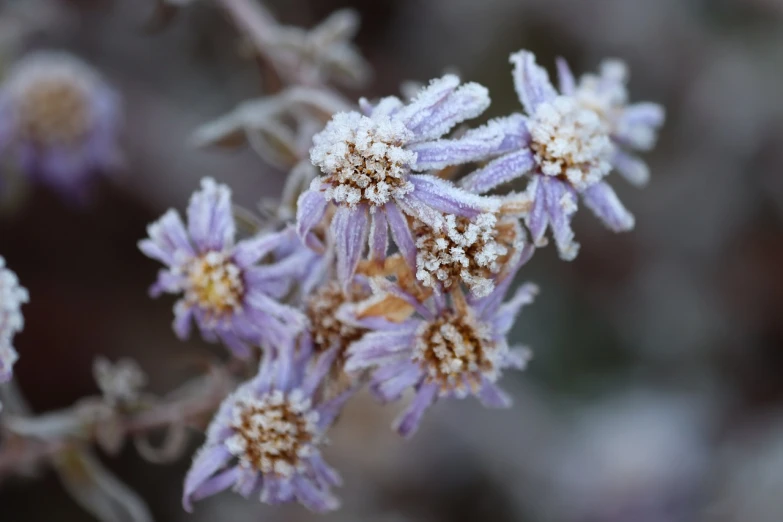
656	392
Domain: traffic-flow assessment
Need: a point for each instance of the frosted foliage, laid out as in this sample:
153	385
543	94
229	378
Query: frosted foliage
570	142
363	159
464	250
457	353
214	284
273	433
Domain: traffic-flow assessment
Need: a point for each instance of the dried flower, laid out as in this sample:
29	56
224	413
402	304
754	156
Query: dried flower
368	159
630	126
60	121
227	291
567	152
447	351
12	297
265	437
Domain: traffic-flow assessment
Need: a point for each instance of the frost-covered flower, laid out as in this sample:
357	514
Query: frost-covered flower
630	126
466	251
227	288
446	350
265	438
368	162
60	121
120	383
567	150
12	297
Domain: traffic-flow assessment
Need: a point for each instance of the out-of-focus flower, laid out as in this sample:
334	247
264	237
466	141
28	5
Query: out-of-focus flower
60	121
227	289
12	297
466	251
265	437
567	151
120	382
630	126
449	350
368	159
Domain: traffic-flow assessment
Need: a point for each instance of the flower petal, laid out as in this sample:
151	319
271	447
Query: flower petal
401	232
379	236
465	102
499	171
631	168
492	396
602	200
561	206
376	348
407	423
207	461
531	81
565	77
310	210
210	220
349	231
446	197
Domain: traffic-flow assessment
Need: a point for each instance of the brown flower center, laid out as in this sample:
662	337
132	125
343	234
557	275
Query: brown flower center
273	433
53	112
215	284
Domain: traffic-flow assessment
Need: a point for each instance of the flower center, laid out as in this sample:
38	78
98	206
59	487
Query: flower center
274	432
326	329
470	251
215	284
456	352
363	159
53	112
570	142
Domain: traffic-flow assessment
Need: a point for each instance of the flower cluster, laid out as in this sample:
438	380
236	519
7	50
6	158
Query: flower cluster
396	272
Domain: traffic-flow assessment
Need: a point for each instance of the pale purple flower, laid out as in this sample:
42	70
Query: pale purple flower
265	438
567	150
12	297
451	349
368	162
630	126
227	290
60	121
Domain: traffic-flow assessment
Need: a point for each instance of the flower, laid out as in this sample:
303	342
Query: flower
566	151
630	126
448	350
368	159
226	289
468	251
60	120
265	438
120	383
12	297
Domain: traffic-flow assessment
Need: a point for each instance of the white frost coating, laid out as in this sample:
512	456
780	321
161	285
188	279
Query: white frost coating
363	158
274	432
467	251
531	81
120	382
606	92
466	102
419	107
12	297
570	141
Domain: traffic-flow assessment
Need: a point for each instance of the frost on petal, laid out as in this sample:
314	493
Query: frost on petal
12	297
561	206
408	422
349	230
206	463
466	102
446	197
167	237
210	220
565	77
531	81
379	236
310	211
638	125
401	233
499	171
537	219
631	168
423	105
602	200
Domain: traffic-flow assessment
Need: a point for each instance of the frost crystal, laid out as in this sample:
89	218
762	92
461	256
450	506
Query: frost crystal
274	432
570	142
467	251
12	297
363	159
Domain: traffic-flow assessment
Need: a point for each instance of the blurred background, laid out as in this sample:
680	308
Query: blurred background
656	391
